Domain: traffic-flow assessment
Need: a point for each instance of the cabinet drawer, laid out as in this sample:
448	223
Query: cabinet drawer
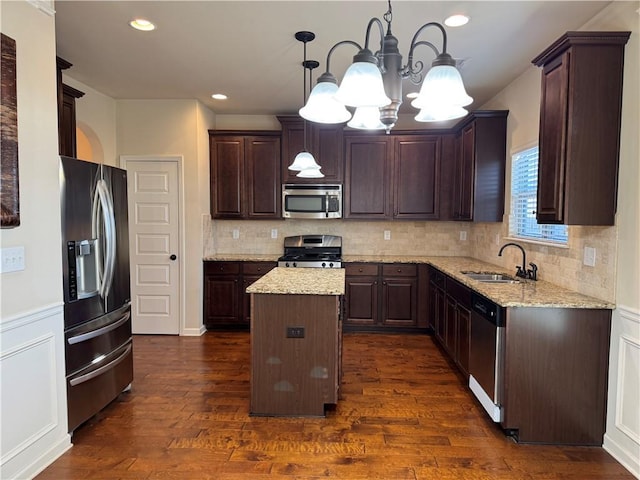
257	268
399	270
212	268
354	269
459	292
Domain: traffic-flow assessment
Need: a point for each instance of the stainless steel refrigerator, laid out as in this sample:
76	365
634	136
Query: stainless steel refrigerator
97	299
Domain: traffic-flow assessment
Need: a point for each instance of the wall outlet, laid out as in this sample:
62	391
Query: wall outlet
236	234
12	259
295	332
387	234
274	233
463	235
589	257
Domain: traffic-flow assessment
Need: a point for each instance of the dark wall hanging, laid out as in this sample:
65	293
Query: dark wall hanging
9	191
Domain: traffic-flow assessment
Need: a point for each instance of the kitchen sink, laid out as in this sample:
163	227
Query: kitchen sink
491	277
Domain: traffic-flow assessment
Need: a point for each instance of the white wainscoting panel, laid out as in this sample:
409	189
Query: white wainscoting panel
622	439
33	404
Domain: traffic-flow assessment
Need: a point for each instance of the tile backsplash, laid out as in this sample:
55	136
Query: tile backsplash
562	266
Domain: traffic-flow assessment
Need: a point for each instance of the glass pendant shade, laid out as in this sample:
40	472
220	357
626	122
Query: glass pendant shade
366	118
362	86
439	113
442	85
322	107
303	161
310	173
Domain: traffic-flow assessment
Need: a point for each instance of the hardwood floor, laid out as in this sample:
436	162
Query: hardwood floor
404	414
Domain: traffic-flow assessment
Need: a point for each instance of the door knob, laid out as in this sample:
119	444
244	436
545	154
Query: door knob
173	256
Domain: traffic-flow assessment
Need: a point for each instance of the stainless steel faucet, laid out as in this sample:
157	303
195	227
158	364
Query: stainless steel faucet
522	271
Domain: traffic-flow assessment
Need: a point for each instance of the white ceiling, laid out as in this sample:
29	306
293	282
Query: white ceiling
247	49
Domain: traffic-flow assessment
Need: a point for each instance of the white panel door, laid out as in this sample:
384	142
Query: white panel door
153	189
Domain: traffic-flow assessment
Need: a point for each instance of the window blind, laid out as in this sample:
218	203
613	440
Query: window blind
524	185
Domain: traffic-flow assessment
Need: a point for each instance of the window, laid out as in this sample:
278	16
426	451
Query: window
524	185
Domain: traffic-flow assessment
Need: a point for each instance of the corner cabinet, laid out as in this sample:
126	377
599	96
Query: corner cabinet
388	296
392	177
478	185
245	175
323	141
580	119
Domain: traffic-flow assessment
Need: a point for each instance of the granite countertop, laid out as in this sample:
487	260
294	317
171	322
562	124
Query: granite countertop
301	281
527	293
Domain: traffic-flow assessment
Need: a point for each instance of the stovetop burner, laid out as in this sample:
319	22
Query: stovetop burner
314	251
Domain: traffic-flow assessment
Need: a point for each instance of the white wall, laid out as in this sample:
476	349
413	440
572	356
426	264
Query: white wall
33	403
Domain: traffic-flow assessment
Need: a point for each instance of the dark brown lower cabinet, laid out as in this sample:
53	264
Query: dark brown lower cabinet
226	305
385	296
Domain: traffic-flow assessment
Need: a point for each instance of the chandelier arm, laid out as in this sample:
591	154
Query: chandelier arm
342	42
415	71
380	27
414	43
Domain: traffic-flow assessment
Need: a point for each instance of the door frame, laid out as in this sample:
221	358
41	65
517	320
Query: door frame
179	160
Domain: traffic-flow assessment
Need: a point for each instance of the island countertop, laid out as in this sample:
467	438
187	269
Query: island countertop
301	281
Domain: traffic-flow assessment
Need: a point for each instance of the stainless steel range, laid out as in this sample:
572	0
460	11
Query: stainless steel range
316	251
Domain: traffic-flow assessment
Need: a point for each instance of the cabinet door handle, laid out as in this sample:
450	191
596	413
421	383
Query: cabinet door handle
360	270
399	270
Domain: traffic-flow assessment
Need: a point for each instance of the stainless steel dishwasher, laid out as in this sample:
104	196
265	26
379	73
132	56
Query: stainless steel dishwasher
486	356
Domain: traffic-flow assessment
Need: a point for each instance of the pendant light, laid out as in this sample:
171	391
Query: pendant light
304	161
374	80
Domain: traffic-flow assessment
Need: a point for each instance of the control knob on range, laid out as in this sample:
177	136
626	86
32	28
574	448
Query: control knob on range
331	265
324	265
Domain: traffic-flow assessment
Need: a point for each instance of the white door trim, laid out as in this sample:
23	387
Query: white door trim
179	159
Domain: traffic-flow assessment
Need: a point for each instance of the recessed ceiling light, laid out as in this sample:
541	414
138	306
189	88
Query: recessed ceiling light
219	96
456	20
142	24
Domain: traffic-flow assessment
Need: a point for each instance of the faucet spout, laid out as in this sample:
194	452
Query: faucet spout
521	270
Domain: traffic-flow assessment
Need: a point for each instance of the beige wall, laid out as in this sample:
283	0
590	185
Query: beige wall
96	118
176	127
40	283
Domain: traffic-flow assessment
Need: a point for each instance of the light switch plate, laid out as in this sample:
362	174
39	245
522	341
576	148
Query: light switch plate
589	256
236	234
274	233
12	259
387	234
463	235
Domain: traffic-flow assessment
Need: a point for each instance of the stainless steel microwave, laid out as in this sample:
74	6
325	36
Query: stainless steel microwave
311	201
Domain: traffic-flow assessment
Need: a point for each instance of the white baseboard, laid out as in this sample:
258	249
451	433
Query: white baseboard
193	332
45	460
629	460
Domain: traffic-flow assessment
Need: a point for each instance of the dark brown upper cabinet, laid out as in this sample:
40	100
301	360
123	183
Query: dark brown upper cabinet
580	119
479	165
245	175
66	112
324	142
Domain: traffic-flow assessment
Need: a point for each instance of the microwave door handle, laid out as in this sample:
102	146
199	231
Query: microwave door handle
326	205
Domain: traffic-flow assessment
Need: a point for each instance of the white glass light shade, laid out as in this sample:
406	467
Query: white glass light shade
439	113
304	160
366	118
322	107
443	85
362	86
310	173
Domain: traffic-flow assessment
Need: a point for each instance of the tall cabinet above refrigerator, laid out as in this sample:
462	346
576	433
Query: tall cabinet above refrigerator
97	300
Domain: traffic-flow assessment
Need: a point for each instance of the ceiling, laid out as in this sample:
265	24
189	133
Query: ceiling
247	49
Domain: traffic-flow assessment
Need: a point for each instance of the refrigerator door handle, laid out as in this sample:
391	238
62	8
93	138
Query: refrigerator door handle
99	371
100	331
104	222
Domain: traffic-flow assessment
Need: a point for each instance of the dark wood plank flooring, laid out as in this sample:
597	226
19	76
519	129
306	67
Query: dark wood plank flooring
405	414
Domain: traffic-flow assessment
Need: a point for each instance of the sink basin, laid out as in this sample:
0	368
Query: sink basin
491	277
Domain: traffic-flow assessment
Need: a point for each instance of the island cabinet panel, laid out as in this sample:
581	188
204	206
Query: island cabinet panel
294	375
226	305
381	297
245	175
324	142
556	364
580	117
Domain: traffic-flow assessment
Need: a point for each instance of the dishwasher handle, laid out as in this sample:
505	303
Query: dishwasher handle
487	309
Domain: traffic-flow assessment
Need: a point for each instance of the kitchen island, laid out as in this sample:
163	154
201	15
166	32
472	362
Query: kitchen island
296	341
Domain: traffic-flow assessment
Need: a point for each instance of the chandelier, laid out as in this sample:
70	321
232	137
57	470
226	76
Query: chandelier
372	85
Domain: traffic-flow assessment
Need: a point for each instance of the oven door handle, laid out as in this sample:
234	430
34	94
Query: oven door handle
100	331
99	371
